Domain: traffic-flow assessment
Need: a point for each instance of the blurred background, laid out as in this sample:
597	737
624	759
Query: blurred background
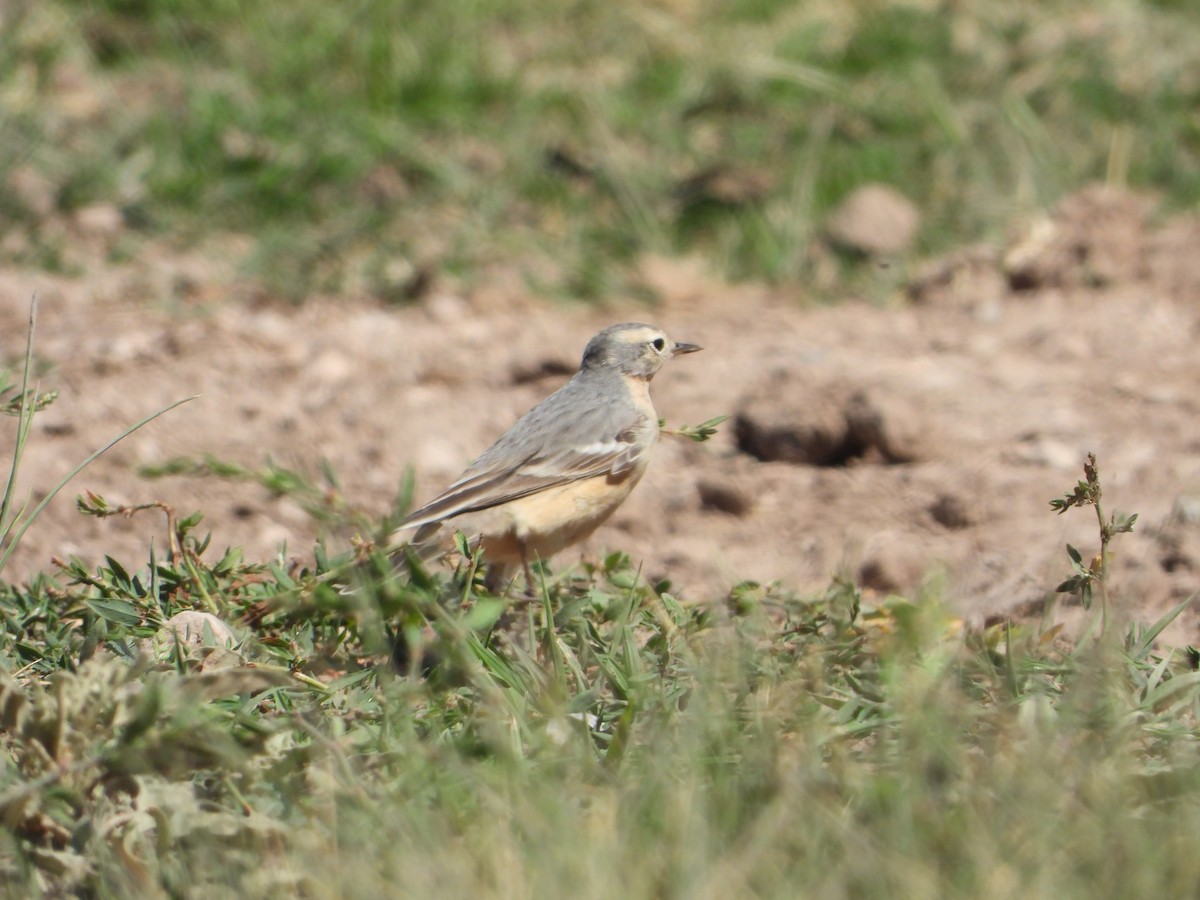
381	148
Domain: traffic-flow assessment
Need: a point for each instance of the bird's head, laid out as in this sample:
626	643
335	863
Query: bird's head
632	349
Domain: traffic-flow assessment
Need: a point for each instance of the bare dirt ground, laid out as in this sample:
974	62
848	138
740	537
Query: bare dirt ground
921	439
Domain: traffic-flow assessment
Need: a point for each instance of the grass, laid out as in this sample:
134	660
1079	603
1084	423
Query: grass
379	148
23	402
608	739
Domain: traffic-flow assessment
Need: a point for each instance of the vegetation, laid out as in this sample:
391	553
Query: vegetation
375	148
194	723
603	739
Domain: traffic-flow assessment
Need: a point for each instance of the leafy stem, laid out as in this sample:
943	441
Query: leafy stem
698	433
1094	575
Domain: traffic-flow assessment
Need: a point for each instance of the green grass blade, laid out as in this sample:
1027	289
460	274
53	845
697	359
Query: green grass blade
1160	694
1156	629
24	526
24	423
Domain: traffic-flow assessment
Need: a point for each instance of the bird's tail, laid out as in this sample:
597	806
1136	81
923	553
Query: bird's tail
434	540
427	543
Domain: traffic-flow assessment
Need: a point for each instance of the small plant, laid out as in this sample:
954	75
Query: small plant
29	400
322	501
1093	576
698	433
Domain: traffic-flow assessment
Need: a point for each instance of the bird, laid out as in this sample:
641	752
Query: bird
556	475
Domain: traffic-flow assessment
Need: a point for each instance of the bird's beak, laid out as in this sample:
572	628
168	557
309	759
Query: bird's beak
685	348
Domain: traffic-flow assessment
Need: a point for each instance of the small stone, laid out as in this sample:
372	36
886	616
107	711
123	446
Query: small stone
190	625
1043	451
725	495
798	418
875	220
33	190
331	367
124	349
951	511
101	220
192	630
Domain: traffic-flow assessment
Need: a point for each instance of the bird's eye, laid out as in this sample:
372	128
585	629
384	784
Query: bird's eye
658	344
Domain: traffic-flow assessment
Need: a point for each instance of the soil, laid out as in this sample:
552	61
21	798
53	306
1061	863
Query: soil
914	442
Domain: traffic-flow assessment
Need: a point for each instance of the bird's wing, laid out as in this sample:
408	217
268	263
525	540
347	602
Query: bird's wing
498	477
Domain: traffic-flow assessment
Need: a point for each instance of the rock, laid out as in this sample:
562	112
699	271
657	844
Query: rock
1039	450
952	511
1186	509
798	418
101	220
727	495
1178	549
331	367
193	631
446	308
884	425
875	220
190	627
793	419
402	280
125	350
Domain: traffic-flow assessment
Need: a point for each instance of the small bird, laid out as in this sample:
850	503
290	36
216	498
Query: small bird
567	464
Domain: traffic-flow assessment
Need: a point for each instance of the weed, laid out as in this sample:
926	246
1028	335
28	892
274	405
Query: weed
15	521
1095	574
610	738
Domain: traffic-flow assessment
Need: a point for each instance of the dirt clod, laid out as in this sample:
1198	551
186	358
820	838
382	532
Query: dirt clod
1095	237
726	495
952	511
875	220
798	418
891	566
792	419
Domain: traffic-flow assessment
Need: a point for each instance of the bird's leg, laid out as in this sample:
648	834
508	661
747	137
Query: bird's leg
497	580
530	588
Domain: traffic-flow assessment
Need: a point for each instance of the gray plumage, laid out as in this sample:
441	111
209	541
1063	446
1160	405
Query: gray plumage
594	425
